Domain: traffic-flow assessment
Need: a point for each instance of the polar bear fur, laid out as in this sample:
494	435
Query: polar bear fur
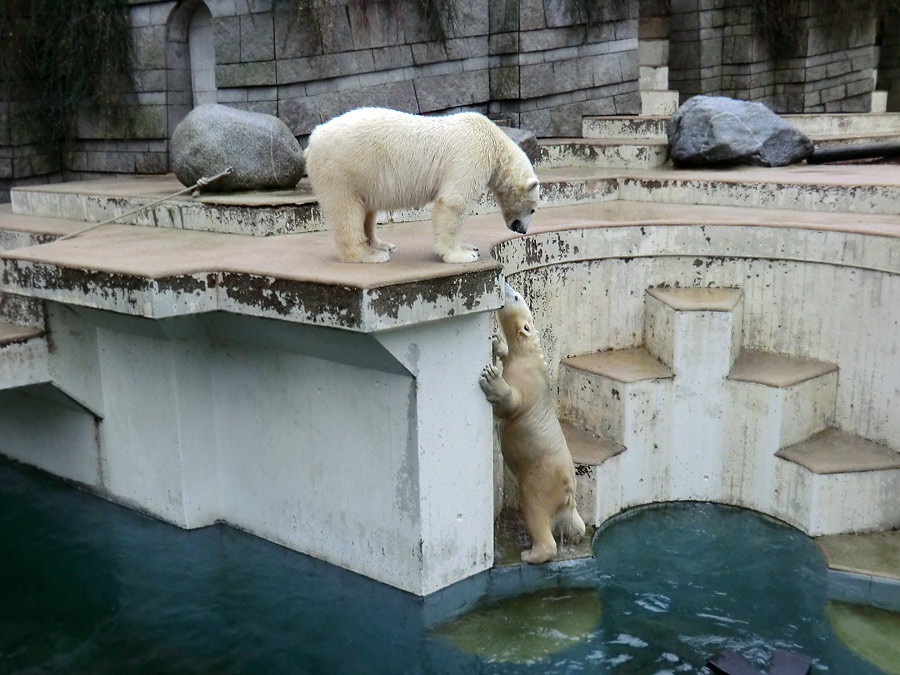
374	159
531	438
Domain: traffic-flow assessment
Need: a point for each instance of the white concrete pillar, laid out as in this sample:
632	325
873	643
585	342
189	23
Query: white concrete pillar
370	451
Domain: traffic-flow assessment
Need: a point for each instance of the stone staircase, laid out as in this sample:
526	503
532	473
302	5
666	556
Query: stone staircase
24	349
690	415
639	142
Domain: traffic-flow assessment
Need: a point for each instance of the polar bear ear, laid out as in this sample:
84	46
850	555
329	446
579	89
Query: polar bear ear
525	330
533	185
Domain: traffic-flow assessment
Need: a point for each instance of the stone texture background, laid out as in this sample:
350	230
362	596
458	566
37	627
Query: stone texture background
717	47
537	64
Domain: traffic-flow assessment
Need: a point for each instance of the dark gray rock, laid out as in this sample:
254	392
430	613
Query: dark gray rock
525	140
260	148
716	130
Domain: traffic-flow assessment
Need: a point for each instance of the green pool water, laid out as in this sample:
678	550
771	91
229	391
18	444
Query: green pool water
90	587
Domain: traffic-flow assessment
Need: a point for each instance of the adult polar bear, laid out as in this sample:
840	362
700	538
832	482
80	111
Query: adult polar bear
374	159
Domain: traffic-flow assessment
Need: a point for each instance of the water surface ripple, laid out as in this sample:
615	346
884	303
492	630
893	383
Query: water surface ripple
90	587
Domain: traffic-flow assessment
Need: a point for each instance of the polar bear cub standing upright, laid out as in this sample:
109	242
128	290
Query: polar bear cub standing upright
531	438
374	159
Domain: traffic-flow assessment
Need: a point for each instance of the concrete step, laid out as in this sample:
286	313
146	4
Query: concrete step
659	102
792	397
613	394
250	213
589	452
654	78
846	124
830	128
611	153
804	188
695	331
18	231
24	358
829	141
834	451
625	127
849	483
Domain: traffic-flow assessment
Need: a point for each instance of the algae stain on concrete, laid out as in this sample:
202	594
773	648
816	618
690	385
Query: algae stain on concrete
527	628
873	634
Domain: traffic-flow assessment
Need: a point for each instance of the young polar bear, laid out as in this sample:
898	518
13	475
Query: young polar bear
531	438
374	159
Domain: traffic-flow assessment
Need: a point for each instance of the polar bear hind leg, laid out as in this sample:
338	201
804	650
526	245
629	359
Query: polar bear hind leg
537	522
568	522
348	220
372	236
446	219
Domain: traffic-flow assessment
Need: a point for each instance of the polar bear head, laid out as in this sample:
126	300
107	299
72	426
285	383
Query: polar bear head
515	185
519	205
518	324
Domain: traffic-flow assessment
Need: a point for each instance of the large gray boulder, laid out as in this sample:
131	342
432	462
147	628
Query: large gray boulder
525	140
261	149
717	130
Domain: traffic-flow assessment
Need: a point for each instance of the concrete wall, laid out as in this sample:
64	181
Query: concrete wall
826	296
356	449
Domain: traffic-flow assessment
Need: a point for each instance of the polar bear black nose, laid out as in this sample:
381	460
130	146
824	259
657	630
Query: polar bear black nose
518	226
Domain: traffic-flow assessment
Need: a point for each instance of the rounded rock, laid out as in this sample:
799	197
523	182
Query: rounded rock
260	148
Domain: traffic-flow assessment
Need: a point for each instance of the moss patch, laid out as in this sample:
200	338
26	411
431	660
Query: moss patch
873	634
526	628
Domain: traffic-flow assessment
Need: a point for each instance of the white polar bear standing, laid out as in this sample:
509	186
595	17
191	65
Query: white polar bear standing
531	438
374	159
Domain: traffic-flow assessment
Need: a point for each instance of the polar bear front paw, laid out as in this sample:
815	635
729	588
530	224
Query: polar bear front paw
490	381
460	256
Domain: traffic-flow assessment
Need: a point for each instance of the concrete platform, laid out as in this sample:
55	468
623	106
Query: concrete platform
157	272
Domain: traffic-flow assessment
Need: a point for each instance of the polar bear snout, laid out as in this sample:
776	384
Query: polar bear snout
520	225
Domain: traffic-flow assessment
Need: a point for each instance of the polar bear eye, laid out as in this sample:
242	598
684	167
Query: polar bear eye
532	210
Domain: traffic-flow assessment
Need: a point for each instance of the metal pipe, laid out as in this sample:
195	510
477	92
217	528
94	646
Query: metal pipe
842	153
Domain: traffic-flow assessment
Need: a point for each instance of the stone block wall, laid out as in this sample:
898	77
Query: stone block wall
719	47
538	64
23	159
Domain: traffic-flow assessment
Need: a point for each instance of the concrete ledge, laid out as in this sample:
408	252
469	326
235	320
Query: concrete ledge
11	333
698	299
864	589
587	448
624	365
834	451
777	370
